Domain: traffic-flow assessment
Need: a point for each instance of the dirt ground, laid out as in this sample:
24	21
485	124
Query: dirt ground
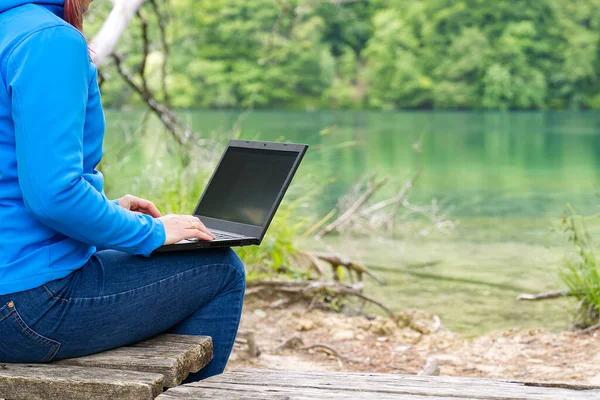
294	338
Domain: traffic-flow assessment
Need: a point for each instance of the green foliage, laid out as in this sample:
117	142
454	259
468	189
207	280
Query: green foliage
582	274
382	54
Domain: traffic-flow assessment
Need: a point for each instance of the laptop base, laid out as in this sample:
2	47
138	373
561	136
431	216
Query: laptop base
205	244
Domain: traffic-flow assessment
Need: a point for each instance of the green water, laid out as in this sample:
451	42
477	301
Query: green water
507	176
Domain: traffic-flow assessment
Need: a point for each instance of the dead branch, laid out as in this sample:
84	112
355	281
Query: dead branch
181	132
162	23
145	49
396	207
590	329
322	222
555	294
309	261
336	260
372	187
397	199
331	351
295	342
389	312
308	290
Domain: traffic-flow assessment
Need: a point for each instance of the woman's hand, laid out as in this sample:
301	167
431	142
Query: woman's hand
136	204
179	227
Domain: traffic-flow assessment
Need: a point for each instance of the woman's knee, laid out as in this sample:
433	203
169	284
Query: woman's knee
236	263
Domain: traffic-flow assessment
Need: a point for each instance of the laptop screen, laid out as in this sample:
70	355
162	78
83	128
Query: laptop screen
246	185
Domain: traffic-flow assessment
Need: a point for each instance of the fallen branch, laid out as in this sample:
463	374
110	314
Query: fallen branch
590	328
308	290
372	187
336	260
401	198
331	351
544	295
295	342
397	199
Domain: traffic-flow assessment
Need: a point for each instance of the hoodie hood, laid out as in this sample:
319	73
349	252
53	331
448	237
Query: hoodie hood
8	4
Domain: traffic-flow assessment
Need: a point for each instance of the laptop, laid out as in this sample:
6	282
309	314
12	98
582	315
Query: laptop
244	192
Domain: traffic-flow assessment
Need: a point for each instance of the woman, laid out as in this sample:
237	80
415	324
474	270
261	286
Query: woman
59	296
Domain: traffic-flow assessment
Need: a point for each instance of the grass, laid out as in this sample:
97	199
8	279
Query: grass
581	274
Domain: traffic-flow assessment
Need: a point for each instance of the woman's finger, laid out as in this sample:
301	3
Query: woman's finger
197	224
193	226
195	232
148	208
201	235
203	227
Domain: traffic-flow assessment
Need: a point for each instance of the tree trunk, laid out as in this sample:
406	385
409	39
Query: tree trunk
104	43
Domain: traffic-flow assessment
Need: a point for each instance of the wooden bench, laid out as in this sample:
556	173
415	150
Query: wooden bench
271	384
139	372
144	370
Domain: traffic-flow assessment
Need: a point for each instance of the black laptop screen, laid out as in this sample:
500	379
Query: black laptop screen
246	185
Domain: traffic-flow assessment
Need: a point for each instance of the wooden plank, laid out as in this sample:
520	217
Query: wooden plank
197	350
354	385
48	381
253	392
173	356
169	363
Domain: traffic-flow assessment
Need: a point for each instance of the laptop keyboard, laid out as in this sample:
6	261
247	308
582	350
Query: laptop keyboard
221	235
218	236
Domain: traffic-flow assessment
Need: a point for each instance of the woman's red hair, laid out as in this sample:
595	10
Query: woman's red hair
74	13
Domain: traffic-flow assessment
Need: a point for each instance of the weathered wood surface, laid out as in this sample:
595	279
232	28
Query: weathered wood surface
135	372
173	356
47	381
198	349
271	384
242	392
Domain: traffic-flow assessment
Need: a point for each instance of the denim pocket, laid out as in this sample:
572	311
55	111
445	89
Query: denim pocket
20	343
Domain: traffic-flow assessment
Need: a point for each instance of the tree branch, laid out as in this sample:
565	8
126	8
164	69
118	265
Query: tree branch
162	23
373	186
179	130
145	49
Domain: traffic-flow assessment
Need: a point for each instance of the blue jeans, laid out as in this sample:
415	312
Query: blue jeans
118	299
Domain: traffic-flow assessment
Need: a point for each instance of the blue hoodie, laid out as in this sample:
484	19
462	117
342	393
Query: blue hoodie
53	211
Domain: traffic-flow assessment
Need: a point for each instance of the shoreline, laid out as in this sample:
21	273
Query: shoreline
318	340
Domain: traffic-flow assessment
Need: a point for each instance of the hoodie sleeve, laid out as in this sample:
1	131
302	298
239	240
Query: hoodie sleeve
48	76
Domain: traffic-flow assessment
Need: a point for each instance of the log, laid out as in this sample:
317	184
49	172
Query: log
273	384
44	381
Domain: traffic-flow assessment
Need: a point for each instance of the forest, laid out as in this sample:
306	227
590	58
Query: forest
371	54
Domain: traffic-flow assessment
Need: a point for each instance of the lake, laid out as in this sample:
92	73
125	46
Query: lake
507	177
